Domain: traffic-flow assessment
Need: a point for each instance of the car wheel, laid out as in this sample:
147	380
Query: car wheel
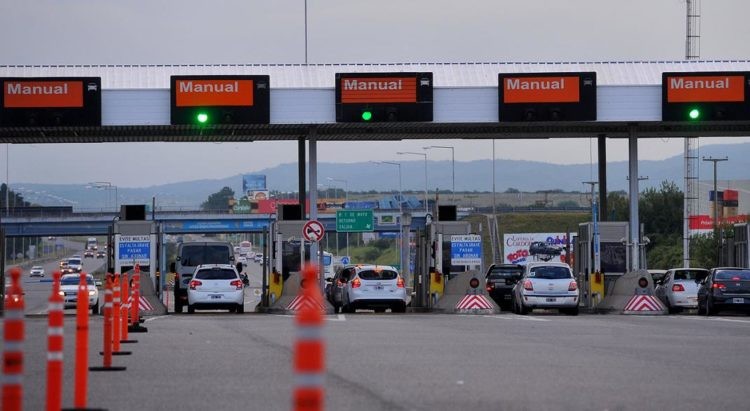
701	309
95	308
401	308
570	311
336	309
240	308
177	306
522	309
670	309
191	310
709	309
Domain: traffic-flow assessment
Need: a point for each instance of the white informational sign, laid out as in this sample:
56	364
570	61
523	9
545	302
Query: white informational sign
466	249
521	248
133	249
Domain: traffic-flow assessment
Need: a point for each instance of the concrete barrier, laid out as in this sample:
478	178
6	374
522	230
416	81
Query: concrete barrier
457	288
149	293
290	291
623	291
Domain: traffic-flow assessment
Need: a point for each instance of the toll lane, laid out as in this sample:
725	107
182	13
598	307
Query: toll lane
420	362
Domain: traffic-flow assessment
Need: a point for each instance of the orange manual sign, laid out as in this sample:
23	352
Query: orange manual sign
378	89
563	89
42	94
699	89
204	93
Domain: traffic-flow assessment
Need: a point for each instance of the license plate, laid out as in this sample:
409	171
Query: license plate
215	296
378	287
551	300
738	300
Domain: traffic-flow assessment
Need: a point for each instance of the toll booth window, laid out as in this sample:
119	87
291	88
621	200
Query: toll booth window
215	274
550	273
377	275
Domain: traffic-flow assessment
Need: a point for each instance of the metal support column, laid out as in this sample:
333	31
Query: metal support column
634	228
602	146
264	272
314	247
301	170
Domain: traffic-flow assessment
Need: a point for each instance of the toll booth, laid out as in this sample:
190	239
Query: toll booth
613	253
134	242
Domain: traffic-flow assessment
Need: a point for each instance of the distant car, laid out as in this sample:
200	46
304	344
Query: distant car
543	248
724	288
499	281
101	254
69	291
376	287
63	263
65	268
258	258
216	286
546	285
678	289
88	254
242	259
75	264
36	271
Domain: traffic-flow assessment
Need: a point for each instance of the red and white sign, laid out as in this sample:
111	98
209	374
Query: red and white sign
644	304
143	303
313	230
474	302
302	301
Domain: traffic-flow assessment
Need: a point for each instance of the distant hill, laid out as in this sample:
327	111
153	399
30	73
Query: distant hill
526	176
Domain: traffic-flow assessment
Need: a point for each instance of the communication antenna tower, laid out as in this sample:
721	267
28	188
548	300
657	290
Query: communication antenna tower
690	207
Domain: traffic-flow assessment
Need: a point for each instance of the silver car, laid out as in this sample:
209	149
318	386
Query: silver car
546	285
216	286
678	289
36	271
376	287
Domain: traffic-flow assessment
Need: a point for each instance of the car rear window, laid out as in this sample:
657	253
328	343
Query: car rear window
733	274
75	281
690	274
74	262
216	274
378	275
550	273
503	272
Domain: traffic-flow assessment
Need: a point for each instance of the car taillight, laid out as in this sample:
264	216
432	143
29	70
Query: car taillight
195	283
400	283
356	283
573	286
237	283
527	285
490	286
678	287
720	286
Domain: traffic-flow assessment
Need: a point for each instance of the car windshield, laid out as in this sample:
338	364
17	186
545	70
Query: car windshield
503	272
75	280
742	275
549	272
204	254
74	262
690	274
378	274
36	267
216	274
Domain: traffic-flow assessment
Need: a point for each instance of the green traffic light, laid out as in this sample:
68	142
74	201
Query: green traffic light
694	114
367	115
202	118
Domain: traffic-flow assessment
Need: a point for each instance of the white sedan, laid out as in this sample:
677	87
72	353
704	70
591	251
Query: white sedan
216	286
678	289
546	285
36	271
69	291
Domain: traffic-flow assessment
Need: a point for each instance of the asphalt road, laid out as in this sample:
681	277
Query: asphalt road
389	361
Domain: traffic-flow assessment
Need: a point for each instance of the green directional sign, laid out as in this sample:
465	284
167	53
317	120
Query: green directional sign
354	221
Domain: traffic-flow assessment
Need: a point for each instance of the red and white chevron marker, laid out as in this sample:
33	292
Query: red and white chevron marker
301	301
474	302
143	303
644	304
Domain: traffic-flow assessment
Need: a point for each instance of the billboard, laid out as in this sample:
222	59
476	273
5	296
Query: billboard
547	96
253	182
50	101
207	100
521	248
383	97
705	96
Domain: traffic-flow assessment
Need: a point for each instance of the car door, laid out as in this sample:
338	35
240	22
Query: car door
662	289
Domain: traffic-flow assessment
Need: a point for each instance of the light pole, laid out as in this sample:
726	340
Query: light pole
453	170
400	211
346	200
425	174
716	204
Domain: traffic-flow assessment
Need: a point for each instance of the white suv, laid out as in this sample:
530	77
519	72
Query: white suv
69	291
546	285
376	287
216	286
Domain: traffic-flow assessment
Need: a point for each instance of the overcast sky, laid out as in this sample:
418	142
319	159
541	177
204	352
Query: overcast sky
340	31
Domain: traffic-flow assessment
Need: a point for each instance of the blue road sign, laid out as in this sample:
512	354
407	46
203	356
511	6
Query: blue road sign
466	250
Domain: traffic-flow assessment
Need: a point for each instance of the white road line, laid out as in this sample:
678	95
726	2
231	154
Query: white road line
515	317
338	317
713	319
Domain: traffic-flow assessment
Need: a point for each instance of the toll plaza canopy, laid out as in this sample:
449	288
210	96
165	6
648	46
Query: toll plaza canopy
137	103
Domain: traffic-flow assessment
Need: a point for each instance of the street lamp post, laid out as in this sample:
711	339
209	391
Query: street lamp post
453	170
425	174
716	204
400	211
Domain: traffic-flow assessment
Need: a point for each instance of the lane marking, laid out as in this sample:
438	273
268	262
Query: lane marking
730	320
516	317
